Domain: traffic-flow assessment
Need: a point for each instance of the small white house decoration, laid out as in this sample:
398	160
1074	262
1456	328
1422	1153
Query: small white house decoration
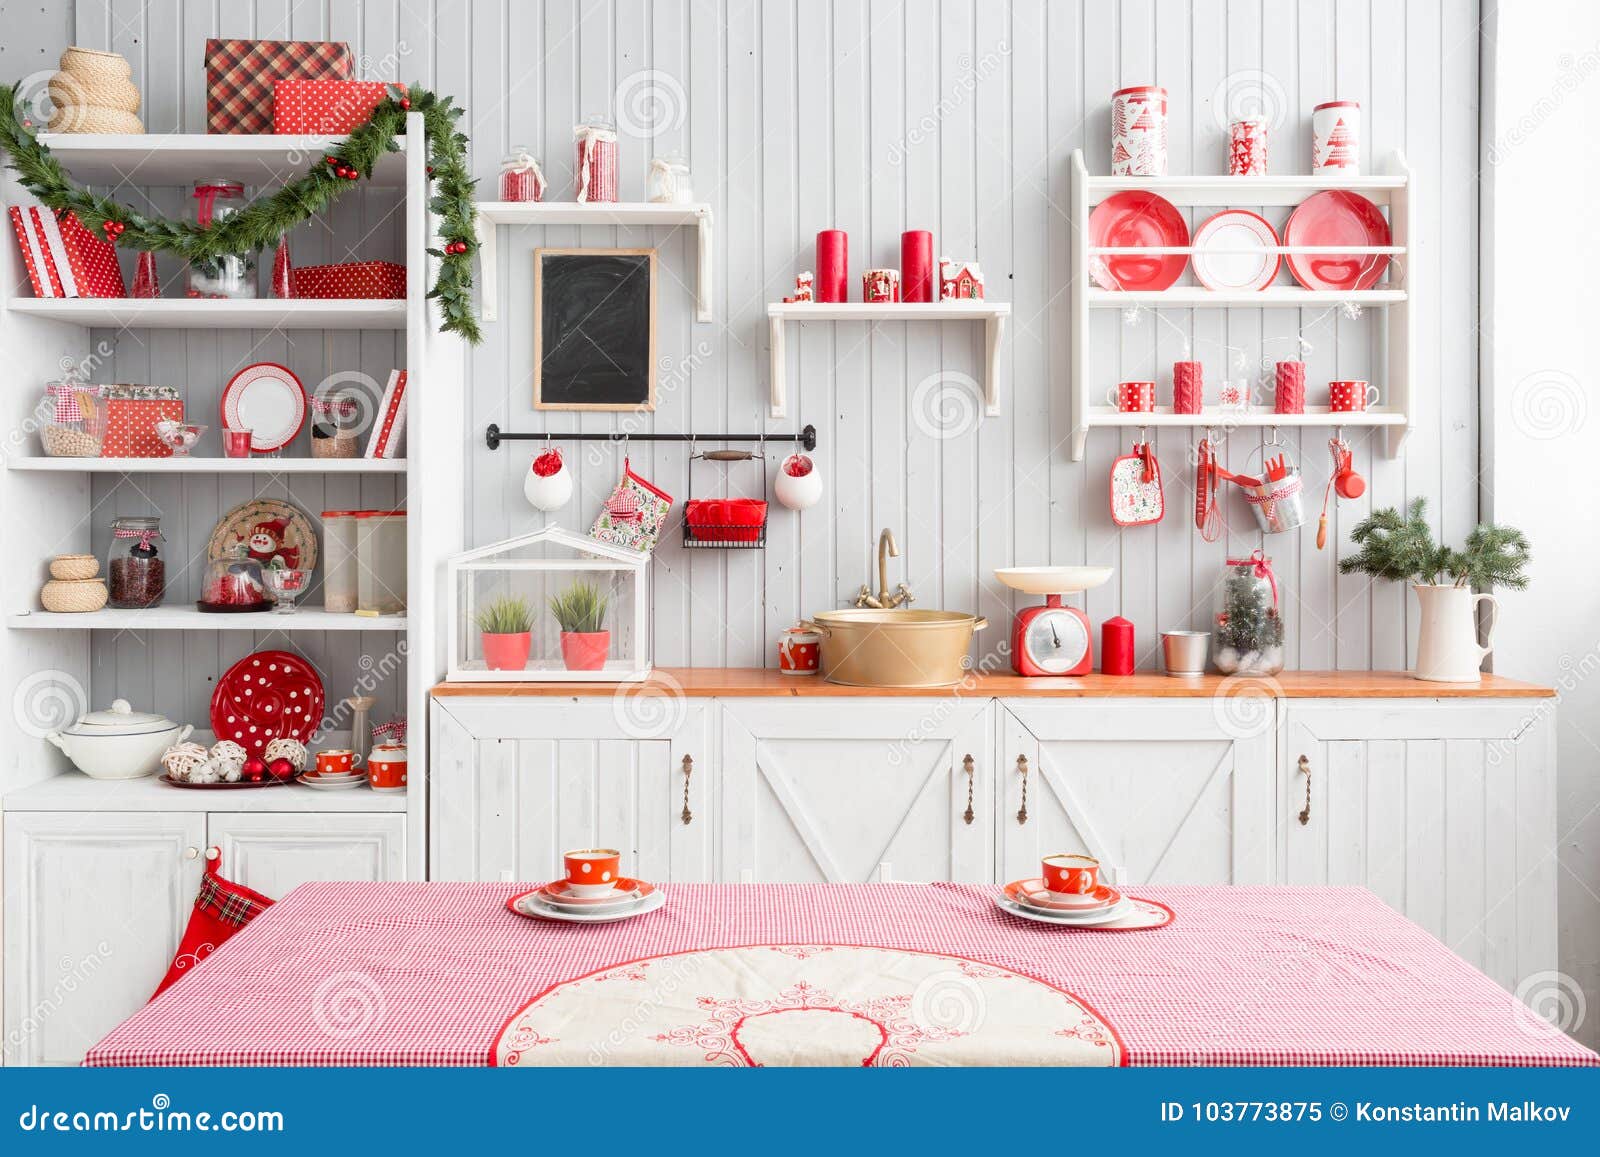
550	606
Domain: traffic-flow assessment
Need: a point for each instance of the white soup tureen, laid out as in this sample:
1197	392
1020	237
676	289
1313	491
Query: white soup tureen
119	743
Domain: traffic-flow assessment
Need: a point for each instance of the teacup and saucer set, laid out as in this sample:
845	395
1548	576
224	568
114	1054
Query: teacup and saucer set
1067	891
336	769
594	891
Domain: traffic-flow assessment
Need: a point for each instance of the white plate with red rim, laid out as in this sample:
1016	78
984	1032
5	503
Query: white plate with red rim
1034	894
1088	919
1235	233
269	401
531	905
559	893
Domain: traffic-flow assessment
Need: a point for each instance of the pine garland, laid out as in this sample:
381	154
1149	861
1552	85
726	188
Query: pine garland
1402	549
265	220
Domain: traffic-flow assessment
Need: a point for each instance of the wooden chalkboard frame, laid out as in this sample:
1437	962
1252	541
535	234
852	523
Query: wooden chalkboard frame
539	402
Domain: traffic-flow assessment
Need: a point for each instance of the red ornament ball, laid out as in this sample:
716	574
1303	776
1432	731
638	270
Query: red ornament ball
280	768
331	161
405	102
254	769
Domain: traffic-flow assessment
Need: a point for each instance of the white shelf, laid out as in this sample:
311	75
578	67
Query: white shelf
1273	297
267	466
74	791
188	617
260	162
1225	191
1256	416
993	314
492	214
197	313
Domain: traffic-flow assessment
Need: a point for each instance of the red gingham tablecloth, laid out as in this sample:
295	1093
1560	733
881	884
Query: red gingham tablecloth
428	973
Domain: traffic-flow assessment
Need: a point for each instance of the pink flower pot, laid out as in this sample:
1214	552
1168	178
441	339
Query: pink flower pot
585	650
506	652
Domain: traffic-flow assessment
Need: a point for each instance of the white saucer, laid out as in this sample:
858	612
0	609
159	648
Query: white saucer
529	904
1066	919
323	783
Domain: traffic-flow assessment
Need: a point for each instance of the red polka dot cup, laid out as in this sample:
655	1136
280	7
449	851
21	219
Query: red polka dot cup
1133	397
1069	876
1351	397
592	872
338	761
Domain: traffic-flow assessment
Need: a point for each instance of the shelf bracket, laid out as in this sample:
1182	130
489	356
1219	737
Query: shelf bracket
994	332
488	269
778	404
703	288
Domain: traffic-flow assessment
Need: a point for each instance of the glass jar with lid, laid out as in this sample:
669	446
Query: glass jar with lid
596	171
521	176
1248	634
136	571
381	562
230	275
669	180
72	421
339	560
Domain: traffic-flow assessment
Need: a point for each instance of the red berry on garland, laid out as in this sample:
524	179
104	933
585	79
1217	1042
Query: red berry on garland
405	102
254	769
281	768
430	170
331	160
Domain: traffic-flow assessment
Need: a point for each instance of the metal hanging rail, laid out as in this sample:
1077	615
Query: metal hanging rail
494	435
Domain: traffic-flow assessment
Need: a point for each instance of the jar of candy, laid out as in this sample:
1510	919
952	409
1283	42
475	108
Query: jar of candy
226	274
596	171
670	181
138	573
521	178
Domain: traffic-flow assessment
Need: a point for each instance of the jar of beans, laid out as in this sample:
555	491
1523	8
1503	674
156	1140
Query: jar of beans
137	572
73	420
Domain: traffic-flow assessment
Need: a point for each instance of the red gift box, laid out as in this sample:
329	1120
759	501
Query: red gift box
30	238
351	279
91	259
131	427
324	107
241	74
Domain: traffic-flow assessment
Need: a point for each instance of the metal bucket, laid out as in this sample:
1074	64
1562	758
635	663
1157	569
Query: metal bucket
1280	505
895	648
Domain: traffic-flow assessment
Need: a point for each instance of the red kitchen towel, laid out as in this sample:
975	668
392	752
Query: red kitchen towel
91	260
31	242
352	279
323	107
240	75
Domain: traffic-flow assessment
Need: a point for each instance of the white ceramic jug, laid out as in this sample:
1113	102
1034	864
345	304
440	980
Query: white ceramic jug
1447	646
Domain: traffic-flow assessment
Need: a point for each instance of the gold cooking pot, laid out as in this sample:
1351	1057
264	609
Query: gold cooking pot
895	648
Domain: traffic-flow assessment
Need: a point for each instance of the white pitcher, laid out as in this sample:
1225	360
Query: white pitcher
1447	647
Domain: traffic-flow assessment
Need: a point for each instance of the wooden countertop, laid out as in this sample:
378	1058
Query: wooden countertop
752	682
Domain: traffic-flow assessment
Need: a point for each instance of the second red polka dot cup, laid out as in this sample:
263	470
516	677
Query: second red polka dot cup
592	871
1351	397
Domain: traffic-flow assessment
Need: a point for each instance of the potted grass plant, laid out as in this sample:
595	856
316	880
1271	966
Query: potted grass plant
581	611
1450	584
506	625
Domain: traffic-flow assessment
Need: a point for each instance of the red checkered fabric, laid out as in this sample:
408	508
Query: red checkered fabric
240	75
426	974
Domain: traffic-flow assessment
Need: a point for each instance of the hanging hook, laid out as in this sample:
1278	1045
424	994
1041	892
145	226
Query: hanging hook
1273	441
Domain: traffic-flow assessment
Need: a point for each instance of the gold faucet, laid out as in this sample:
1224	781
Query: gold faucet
885	600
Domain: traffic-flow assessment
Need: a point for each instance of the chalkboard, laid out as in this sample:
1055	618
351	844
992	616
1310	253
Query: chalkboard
594	329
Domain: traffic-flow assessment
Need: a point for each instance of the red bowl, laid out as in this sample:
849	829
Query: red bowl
726	519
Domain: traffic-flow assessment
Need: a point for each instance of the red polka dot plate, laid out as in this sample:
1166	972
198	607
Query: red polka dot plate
265	696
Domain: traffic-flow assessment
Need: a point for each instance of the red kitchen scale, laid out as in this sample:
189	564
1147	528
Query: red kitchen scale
1053	639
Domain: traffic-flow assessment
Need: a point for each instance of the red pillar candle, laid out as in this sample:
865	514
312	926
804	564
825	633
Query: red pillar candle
833	262
1116	646
1289	396
1188	388
916	265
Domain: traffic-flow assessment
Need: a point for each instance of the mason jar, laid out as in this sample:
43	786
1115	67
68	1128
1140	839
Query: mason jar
136	571
229	275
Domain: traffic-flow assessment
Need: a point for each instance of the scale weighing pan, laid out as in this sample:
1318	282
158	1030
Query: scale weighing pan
1053	580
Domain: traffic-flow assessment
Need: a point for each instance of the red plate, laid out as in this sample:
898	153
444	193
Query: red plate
1134	217
1337	217
627	888
265	696
1032	894
269	401
1235	229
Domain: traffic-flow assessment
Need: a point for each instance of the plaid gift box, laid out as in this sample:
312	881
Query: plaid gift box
324	107
240	75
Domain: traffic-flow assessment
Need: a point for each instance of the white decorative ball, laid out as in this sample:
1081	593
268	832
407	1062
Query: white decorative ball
285	748
182	759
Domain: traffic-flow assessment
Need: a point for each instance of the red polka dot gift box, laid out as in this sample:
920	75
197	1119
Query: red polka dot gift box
132	413
323	107
352	279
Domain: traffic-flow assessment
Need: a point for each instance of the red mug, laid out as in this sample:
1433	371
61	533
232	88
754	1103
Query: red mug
386	767
1351	397
1068	875
1133	397
338	761
592	871
799	651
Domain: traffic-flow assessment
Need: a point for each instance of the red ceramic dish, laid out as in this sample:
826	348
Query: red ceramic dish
1130	218
265	696
1337	217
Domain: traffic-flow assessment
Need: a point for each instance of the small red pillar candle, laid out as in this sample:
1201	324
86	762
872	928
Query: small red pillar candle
833	262
1289	395
916	265
1116	646
1188	388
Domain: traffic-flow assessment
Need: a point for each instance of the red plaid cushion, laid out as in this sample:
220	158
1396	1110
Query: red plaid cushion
240	75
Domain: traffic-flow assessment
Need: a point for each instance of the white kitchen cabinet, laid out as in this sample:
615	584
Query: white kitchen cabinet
95	907
517	781
856	789
1446	810
1159	791
274	853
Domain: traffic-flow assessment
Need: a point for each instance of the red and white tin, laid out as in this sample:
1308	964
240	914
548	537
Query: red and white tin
1336	137
799	650
1139	131
1247	147
596	171
880	285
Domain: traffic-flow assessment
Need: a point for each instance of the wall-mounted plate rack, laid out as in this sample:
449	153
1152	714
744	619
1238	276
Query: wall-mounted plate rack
1391	189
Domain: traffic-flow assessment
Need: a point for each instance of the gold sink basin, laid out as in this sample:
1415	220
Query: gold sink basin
898	648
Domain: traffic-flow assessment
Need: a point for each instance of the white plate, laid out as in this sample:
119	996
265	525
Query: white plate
1053	580
1068	919
334	785
269	401
532	906
1234	229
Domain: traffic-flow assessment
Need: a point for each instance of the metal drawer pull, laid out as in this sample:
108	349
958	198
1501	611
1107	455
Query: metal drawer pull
966	765
688	770
212	853
1305	812
1022	766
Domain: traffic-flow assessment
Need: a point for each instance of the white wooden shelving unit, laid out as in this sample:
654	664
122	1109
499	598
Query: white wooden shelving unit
493	214
993	314
1391	189
46	502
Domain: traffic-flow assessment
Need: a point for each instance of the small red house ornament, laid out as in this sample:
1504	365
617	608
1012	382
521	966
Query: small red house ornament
960	281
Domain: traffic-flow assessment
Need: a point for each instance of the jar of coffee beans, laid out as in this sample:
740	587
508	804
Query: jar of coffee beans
138	573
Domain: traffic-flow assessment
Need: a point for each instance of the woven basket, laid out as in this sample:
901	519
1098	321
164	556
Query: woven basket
93	64
84	118
93	94
73	596
74	567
